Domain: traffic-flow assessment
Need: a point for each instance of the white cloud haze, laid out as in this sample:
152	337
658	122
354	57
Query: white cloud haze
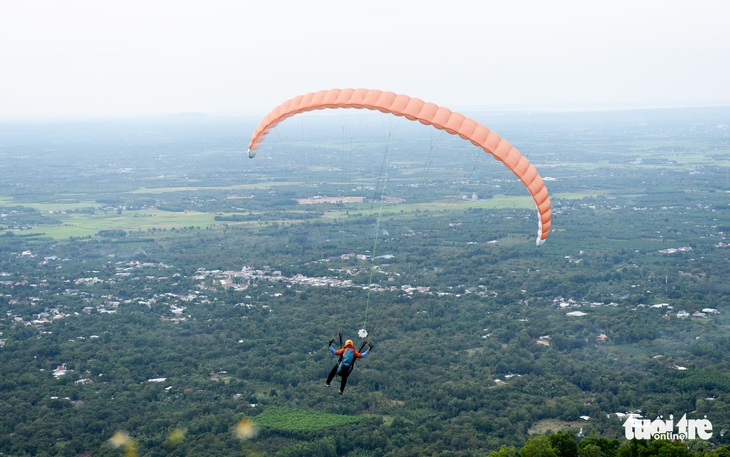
92	58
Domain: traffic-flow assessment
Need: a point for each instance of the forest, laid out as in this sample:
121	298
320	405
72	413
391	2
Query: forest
163	295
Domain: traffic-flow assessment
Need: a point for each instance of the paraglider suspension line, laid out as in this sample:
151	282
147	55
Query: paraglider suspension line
383	172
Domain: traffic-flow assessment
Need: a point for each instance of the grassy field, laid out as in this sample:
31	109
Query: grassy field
496	202
300	420
60	206
79	224
553	425
237	187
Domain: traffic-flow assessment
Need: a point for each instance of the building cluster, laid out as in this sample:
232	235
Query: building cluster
564	303
33	302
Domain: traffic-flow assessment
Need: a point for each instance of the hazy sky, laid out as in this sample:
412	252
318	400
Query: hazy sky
100	58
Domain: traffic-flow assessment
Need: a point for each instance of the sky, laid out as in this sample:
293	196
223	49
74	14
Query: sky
110	58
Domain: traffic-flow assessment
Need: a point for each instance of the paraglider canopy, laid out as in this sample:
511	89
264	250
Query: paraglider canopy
415	109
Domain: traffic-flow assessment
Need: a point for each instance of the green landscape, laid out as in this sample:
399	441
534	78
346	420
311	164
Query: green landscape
158	285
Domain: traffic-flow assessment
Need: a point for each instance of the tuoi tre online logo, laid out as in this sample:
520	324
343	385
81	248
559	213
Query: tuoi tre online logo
661	429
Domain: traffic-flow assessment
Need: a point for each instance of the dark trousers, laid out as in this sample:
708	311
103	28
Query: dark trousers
343	376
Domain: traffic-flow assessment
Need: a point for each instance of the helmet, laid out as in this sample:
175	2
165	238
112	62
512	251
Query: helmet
349	343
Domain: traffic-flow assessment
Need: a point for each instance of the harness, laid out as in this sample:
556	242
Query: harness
347	361
343	369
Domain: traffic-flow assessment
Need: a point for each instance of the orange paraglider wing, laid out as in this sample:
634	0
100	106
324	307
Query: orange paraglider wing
427	113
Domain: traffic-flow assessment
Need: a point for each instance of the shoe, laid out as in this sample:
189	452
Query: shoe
339	391
326	385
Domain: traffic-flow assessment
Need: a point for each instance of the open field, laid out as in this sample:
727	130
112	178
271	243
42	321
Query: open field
82	224
554	425
299	420
163	190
